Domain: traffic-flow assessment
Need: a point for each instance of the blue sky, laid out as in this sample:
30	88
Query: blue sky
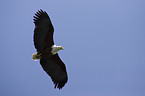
103	40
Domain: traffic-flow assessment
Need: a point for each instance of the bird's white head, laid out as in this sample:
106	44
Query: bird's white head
55	49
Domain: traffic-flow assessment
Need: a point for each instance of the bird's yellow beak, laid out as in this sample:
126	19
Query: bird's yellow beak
61	48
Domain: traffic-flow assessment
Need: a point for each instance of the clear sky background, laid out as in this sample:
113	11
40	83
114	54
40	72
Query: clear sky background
103	40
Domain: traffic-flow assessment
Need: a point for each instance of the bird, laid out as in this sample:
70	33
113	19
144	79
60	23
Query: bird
47	51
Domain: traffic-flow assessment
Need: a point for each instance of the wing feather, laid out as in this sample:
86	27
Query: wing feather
55	69
43	32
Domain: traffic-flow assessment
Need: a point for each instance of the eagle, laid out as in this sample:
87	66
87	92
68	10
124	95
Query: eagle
47	51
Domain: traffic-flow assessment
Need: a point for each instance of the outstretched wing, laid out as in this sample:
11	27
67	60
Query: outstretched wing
56	69
43	32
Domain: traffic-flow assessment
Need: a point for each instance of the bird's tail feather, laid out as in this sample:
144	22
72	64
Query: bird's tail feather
35	56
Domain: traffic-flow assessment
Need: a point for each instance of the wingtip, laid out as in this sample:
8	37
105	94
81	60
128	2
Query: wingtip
39	14
59	85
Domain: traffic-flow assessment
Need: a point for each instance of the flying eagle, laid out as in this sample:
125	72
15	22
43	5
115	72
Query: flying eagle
47	50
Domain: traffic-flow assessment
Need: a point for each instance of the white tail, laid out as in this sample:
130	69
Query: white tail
35	57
